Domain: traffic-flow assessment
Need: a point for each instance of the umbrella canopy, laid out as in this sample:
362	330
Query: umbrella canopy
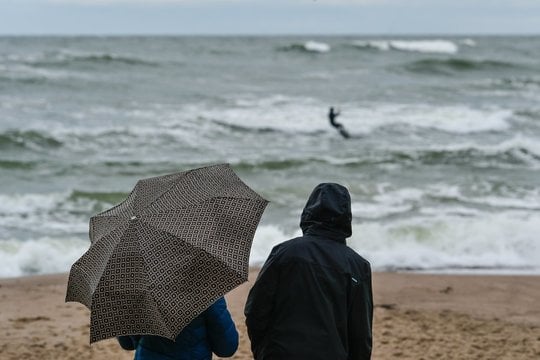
162	256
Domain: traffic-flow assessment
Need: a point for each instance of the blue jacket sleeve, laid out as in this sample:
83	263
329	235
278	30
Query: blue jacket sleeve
129	342
221	329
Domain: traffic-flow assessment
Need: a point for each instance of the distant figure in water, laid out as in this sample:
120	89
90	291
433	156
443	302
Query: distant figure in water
332	115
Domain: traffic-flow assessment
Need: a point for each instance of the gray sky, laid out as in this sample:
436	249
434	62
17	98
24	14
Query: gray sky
269	17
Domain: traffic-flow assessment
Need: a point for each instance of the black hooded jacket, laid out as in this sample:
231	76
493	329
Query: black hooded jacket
313	297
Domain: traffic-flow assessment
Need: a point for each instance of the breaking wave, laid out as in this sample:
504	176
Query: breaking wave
307	47
31	139
421	46
505	155
63	59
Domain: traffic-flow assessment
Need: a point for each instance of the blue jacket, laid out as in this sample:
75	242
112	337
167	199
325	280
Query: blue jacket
211	332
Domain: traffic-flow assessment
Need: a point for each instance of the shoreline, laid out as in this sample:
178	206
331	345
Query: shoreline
416	316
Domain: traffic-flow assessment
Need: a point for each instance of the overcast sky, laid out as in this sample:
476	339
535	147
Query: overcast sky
269	17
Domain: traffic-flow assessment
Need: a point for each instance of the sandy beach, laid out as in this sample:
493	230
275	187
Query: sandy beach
416	317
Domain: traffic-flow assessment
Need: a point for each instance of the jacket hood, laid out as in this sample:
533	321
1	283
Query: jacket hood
328	211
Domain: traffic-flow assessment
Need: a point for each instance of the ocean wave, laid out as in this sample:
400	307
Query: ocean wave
23	208
440	199
282	164
517	151
452	119
497	242
529	114
240	128
17	164
517	83
468	42
476	157
58	214
24	204
42	255
30	139
24	80
504	156
29	75
67	58
508	154
489	241
306	116
202	126
449	66
103	197
192	127
307	47
421	46
424	228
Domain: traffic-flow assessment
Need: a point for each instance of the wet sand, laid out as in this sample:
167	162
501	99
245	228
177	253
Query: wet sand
416	317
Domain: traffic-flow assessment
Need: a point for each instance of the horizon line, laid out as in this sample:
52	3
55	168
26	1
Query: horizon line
164	34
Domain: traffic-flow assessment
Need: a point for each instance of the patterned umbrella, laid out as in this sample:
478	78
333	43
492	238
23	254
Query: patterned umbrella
167	252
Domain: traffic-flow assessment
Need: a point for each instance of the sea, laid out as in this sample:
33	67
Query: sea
443	159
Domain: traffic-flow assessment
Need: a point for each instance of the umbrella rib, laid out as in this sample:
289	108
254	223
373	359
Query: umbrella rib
160	196
146	268
170	333
108	232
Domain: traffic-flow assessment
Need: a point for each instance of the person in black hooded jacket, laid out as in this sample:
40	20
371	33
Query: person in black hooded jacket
313	298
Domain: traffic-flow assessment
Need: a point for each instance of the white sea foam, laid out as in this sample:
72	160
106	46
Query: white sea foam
422	46
369	210
460	239
438	238
519	198
455	119
387	203
468	42
503	240
426	46
315	46
51	255
305	115
266	237
23	204
278	112
39	256
281	113
376	44
51	213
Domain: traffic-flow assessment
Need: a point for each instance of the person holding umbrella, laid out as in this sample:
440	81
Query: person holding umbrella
160	262
211	332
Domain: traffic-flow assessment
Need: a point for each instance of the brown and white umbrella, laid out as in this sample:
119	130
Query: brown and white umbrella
159	258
